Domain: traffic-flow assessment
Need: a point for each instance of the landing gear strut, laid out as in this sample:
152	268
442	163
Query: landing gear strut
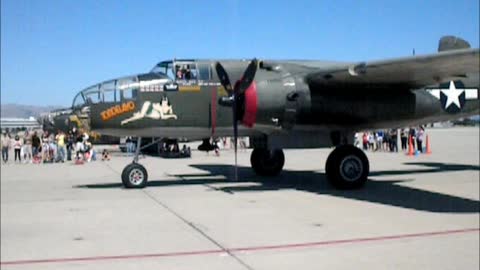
267	162
347	167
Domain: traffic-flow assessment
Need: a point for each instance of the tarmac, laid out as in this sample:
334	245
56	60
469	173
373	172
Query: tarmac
416	212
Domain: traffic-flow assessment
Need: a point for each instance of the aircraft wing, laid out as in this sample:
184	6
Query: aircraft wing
414	72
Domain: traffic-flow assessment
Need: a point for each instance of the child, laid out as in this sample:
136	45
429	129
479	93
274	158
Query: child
17	146
46	152
105	155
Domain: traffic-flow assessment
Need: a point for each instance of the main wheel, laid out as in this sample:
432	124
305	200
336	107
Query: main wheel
267	162
347	167
134	176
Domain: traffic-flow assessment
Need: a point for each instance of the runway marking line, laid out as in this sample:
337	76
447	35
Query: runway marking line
241	249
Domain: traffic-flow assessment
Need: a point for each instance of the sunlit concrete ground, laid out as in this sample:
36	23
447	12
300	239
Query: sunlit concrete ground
417	212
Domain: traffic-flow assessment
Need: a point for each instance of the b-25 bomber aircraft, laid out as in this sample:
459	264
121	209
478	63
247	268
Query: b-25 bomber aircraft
286	104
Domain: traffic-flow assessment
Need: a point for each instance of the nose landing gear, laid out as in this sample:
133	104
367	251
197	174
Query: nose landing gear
135	175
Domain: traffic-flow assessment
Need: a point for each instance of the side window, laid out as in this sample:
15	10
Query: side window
109	92
109	96
186	71
204	72
128	88
170	72
193	72
130	93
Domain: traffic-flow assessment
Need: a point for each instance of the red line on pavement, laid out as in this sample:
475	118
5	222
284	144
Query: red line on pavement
355	240
241	249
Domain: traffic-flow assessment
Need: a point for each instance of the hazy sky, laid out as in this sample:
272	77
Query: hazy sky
51	49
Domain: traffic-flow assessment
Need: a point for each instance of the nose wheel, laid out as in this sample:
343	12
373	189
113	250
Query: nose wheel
347	167
134	176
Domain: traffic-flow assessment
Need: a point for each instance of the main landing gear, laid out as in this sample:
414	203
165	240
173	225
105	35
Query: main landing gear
347	166
267	162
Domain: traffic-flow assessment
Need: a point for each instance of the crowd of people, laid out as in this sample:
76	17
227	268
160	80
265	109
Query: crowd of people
45	147
387	140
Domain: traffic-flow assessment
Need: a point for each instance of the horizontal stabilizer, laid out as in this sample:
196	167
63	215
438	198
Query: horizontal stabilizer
448	43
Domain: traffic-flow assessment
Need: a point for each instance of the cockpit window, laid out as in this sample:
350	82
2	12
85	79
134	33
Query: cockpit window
78	101
178	69
92	94
125	88
109	91
166	68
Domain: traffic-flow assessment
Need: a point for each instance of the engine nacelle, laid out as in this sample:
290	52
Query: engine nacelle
281	101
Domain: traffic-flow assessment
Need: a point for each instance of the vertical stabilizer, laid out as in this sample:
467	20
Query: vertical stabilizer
448	43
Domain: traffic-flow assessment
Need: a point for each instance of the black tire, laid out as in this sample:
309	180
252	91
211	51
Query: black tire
347	167
267	162
134	175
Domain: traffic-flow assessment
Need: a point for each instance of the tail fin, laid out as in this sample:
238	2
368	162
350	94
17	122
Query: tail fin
448	43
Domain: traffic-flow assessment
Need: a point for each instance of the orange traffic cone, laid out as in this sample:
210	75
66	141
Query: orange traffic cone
429	151
410	146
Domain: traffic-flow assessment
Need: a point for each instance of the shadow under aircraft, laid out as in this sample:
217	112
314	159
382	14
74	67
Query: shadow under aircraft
389	192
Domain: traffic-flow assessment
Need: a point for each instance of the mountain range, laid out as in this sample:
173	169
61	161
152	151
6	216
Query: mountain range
24	111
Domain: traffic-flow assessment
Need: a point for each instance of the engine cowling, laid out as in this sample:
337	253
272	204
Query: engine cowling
280	102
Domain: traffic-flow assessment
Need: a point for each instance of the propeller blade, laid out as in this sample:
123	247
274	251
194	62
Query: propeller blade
234	93
223	76
235	136
247	78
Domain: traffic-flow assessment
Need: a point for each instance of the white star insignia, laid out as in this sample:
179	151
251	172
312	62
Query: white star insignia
452	94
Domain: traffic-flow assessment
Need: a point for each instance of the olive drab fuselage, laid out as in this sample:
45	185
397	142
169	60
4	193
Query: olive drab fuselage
158	104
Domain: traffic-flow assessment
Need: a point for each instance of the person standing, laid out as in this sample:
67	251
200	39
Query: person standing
412	134
61	146
36	143
6	144
386	140
27	147
70	142
79	147
365	141
371	141
403	138
128	143
420	134
393	140
379	140
52	144
17	146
